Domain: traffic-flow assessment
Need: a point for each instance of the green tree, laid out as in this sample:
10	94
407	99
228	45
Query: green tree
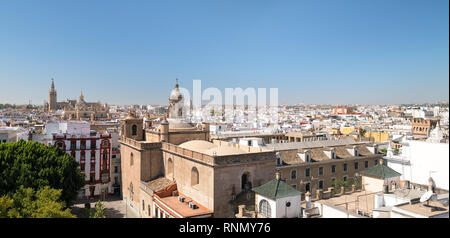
34	165
362	133
100	211
338	183
28	203
5	204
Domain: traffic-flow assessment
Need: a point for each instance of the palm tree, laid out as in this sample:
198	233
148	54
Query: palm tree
362	132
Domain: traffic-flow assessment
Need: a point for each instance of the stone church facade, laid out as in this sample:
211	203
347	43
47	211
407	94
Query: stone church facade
172	169
77	109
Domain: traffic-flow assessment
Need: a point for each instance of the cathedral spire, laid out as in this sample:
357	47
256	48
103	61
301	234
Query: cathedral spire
176	85
81	98
52	88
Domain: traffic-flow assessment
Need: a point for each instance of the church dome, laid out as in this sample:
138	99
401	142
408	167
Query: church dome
175	94
197	145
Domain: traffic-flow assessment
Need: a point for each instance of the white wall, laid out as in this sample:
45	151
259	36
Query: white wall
330	211
293	211
373	184
272	204
425	157
278	206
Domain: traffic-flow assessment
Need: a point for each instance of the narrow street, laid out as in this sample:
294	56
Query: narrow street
115	208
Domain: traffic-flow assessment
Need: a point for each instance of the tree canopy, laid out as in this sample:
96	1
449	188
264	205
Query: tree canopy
34	165
28	203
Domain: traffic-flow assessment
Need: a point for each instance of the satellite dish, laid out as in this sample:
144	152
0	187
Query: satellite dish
426	196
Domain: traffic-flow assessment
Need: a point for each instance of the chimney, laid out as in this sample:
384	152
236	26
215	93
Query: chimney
241	210
148	124
331	191
308	200
342	190
319	194
278	175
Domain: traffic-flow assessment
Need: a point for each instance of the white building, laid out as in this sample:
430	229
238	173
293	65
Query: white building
12	134
90	149
277	199
420	160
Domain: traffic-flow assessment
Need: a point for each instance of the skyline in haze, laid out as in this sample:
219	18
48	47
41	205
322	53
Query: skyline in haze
346	52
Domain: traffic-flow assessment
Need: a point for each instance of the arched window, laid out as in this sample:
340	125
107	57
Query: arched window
170	167
245	181
131	159
60	144
133	130
131	191
264	208
194	176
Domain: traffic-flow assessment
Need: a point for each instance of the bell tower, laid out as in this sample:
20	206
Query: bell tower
132	127
52	98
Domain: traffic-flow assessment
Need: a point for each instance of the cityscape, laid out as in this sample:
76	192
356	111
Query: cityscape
171	145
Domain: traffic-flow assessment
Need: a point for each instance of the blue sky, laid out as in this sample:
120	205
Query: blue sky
130	52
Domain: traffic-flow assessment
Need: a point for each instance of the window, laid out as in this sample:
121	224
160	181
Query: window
307	187
131	191
60	144
91	179
92	156
82	167
366	164
169	167
116	180
113	156
133	130
356	152
149	210
333	155
73	145
143	205
344	178
131	159
264	208
194	176
116	169
308	159
333	169
320	184
83	145
93	146
279	161
345	167
356	165
320	171
294	174
307	172
375	162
